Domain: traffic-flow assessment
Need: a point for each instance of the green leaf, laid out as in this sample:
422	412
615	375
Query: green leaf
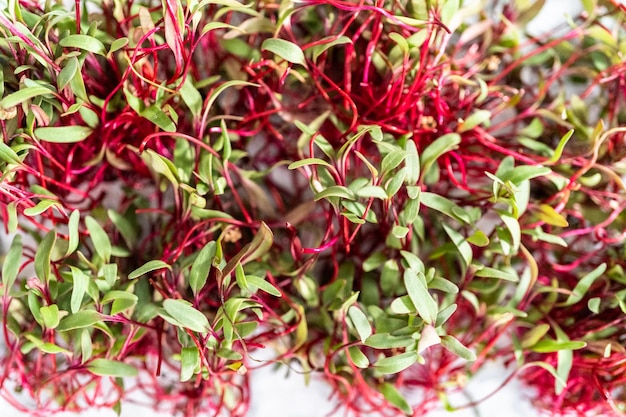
73	232
63	134
159	118
84	318
50	316
387	341
7	154
412	163
308	161
83	42
149	266
108	367
547	345
488	272
121	301
288	51
22	95
436	149
445	206
260	283
533	336
456	347
118	44
68	72
479	238
201	267
80	283
42	257
448	10
100	239
524	172
514	229
392	160
11	265
415	283
549	215
360	322
191	96
477	118
41	207
323	46
464	248
584	284
186	315
396	364
335	191
561	146
395	398
358	358
189	362
372	191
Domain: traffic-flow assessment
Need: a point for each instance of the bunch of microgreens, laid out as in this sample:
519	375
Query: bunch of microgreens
386	194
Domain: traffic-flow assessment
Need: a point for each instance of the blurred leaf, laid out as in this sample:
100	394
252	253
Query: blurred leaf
456	347
395	398
11	265
475	119
396	364
584	284
360	322
107	367
50	316
358	358
189	362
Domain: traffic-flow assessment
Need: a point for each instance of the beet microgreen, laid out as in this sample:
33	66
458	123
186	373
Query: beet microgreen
387	194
